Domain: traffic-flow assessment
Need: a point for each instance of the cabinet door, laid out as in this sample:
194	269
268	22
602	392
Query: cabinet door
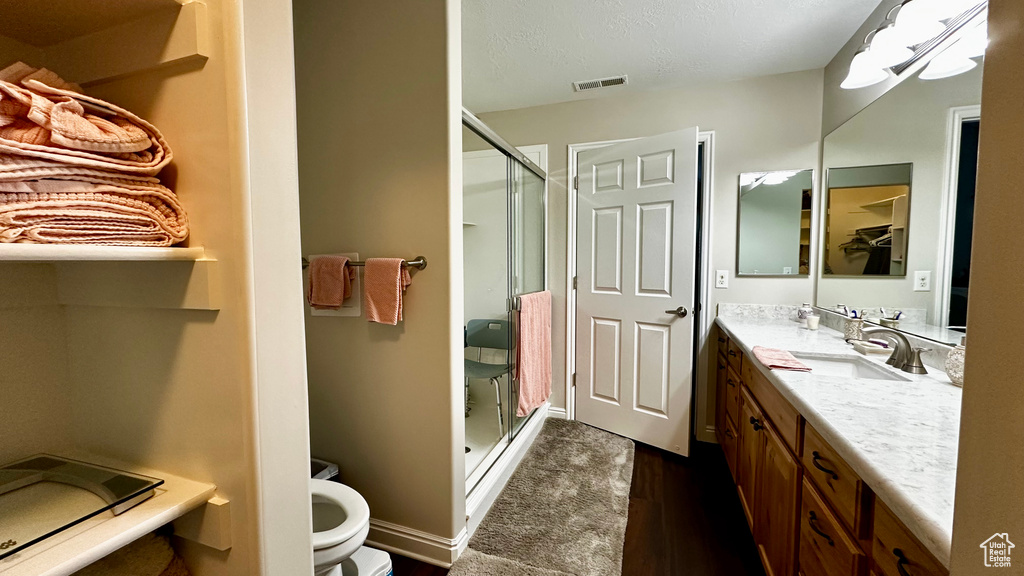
721	395
730	445
750	429
776	506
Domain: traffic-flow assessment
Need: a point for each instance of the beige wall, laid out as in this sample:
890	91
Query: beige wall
990	470
380	155
769	123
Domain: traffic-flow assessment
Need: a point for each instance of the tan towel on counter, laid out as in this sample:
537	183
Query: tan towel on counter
384	283
330	282
150	555
776	359
105	211
533	351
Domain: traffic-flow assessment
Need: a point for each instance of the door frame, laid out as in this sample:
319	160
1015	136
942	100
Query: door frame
702	279
957	116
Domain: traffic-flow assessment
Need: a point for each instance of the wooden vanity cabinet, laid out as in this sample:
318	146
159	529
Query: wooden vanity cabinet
748	457
775	509
896	552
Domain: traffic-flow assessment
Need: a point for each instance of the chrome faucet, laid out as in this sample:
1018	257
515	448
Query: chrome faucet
901	351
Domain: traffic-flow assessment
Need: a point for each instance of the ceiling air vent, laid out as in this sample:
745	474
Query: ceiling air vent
599	83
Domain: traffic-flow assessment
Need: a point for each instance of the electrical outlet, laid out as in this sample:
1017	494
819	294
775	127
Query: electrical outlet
787	269
721	279
922	281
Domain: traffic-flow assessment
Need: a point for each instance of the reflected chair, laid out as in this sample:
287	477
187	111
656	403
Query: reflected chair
493	335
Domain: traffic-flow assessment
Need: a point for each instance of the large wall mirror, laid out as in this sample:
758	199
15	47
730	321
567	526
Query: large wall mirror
774	223
899	196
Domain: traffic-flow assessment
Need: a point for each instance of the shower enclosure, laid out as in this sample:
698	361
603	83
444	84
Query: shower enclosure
504	229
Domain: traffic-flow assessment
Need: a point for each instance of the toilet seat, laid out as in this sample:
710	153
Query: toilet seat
356	510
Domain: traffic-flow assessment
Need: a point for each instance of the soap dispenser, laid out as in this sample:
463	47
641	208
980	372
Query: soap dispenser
955	362
804	311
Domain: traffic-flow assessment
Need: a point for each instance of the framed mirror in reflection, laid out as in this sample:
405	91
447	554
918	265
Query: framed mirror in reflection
774	223
866	219
923	134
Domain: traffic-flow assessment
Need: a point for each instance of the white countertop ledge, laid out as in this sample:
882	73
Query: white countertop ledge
77	547
900	437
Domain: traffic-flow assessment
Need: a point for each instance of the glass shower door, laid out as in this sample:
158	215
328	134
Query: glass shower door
528	223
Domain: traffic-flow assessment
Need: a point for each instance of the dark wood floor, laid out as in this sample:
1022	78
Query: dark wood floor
684	519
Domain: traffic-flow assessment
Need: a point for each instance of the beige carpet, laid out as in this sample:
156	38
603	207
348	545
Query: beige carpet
563	512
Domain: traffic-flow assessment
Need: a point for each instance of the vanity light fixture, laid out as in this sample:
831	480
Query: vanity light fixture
918	21
947	64
864	71
889	47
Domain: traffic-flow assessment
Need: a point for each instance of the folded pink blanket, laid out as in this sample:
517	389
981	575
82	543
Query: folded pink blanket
776	359
44	117
102	211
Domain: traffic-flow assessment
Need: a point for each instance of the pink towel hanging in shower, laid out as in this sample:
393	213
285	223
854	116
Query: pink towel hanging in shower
533	351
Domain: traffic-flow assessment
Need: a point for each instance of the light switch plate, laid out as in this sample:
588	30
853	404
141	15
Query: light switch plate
721	279
922	281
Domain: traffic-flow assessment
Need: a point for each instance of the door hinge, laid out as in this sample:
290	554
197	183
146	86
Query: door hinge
575	182
574	279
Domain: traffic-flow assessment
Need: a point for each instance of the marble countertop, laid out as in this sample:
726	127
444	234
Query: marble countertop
900	437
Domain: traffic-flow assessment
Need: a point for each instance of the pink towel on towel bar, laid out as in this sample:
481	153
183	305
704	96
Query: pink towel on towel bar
330	282
533	351
384	282
776	359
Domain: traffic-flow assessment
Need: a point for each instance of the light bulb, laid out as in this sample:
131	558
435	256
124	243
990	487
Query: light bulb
949	63
888	49
774	178
944	9
864	71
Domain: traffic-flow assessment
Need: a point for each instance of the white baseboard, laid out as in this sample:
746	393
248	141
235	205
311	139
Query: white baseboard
559	413
416	544
486	492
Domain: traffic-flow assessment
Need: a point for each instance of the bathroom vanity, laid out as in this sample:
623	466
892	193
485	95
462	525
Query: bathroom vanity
845	470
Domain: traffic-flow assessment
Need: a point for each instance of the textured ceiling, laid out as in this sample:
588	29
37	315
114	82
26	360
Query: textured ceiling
519	53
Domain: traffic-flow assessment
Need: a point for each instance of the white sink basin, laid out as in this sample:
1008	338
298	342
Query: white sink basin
847	366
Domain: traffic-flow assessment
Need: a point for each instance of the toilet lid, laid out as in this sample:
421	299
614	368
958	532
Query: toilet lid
356	510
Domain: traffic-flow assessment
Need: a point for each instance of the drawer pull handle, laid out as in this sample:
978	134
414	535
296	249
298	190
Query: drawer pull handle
721	340
730	382
756	423
822	468
812	521
721	366
732	353
902	559
728	434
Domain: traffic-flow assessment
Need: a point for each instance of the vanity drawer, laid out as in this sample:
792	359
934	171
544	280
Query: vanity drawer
838	483
784	417
723	342
826	548
732	394
895	551
734	355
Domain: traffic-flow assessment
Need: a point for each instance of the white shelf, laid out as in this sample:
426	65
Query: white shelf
883	203
81	545
85	253
469	223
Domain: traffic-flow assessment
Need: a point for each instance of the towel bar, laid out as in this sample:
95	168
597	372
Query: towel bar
419	262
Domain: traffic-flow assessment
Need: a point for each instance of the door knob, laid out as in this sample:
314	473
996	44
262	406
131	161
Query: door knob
681	312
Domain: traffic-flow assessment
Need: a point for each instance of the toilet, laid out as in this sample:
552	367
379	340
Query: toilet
341	522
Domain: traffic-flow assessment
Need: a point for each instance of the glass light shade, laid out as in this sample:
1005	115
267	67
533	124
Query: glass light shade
949	63
888	48
864	71
974	43
774	178
943	9
917	22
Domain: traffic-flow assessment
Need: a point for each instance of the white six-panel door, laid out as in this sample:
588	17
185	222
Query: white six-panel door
636	222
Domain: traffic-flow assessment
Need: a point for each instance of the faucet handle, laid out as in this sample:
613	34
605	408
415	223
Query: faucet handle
914	365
